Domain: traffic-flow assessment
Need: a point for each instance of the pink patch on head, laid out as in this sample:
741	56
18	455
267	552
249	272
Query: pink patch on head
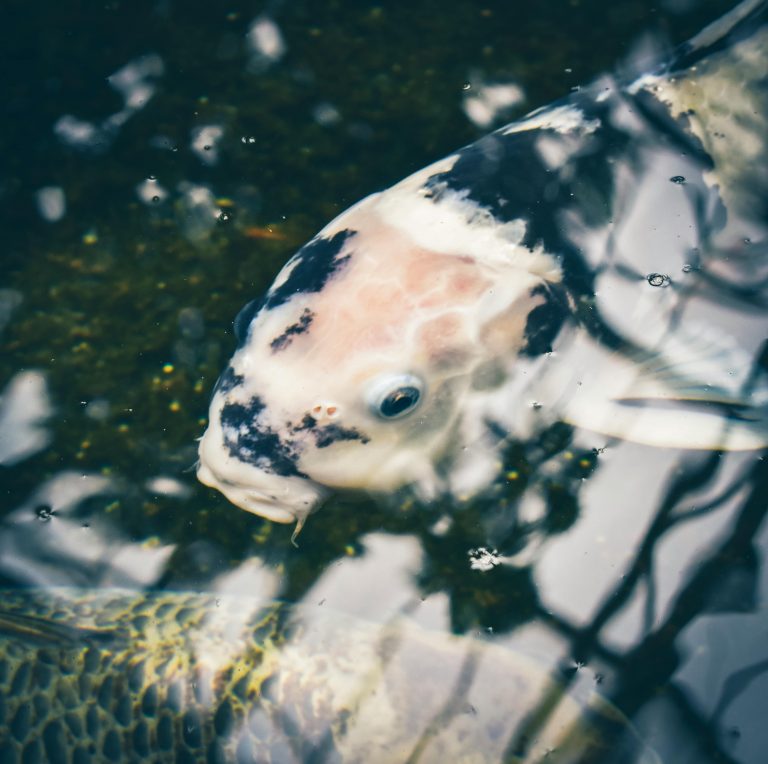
443	338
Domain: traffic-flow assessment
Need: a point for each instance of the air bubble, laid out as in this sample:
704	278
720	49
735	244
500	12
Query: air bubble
679	179
44	512
657	279
466	86
687	268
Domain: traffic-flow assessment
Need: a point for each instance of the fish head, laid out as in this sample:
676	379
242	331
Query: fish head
354	369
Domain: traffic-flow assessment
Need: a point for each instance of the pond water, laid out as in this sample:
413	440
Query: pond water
162	161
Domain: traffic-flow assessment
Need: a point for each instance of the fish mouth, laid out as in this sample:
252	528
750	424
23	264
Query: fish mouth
276	498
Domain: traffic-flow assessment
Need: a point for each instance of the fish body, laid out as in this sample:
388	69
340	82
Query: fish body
540	274
100	676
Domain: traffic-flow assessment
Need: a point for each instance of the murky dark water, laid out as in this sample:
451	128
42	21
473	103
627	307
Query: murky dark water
162	161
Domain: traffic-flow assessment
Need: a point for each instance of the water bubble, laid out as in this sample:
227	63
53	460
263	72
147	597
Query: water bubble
568	70
466	86
657	279
679	179
44	512
155	199
747	240
152	177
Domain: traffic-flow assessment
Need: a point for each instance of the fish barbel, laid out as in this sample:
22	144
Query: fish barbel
121	676
590	264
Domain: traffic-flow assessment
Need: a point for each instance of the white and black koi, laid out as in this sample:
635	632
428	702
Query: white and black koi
591	264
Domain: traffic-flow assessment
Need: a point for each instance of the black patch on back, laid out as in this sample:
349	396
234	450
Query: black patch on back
227	381
256	444
676	130
244	318
315	263
332	433
688	55
544	322
506	175
300	327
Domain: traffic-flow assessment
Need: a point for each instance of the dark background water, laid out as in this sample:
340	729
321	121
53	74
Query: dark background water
644	575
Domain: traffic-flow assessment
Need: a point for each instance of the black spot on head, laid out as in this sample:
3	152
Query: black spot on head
332	433
327	434
544	322
227	381
244	318
308	423
300	327
314	264
254	443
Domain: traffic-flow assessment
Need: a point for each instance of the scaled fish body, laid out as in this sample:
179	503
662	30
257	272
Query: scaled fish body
119	676
589	264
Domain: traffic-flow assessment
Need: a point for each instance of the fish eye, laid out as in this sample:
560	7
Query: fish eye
392	397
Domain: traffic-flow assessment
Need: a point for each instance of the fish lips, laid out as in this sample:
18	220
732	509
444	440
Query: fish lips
282	499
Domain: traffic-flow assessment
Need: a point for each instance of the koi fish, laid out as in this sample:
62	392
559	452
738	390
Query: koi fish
591	264
116	675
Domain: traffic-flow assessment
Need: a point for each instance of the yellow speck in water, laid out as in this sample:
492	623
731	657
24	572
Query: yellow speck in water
568	455
106	470
168	368
122	427
90	238
585	463
513	475
349	550
112	506
202	421
224	201
151	543
85	444
199	387
175	406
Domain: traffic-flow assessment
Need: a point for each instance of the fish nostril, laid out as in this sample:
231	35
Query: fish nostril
323	412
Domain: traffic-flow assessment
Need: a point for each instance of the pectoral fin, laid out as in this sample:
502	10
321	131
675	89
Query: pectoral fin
692	392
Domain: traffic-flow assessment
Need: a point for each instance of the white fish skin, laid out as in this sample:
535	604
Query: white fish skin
522	280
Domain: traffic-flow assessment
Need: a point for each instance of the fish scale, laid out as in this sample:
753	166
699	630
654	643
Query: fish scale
123	676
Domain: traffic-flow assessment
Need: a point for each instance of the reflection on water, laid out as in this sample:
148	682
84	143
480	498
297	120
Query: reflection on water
143	212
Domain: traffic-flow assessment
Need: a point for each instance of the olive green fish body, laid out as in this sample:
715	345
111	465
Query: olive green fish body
186	677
